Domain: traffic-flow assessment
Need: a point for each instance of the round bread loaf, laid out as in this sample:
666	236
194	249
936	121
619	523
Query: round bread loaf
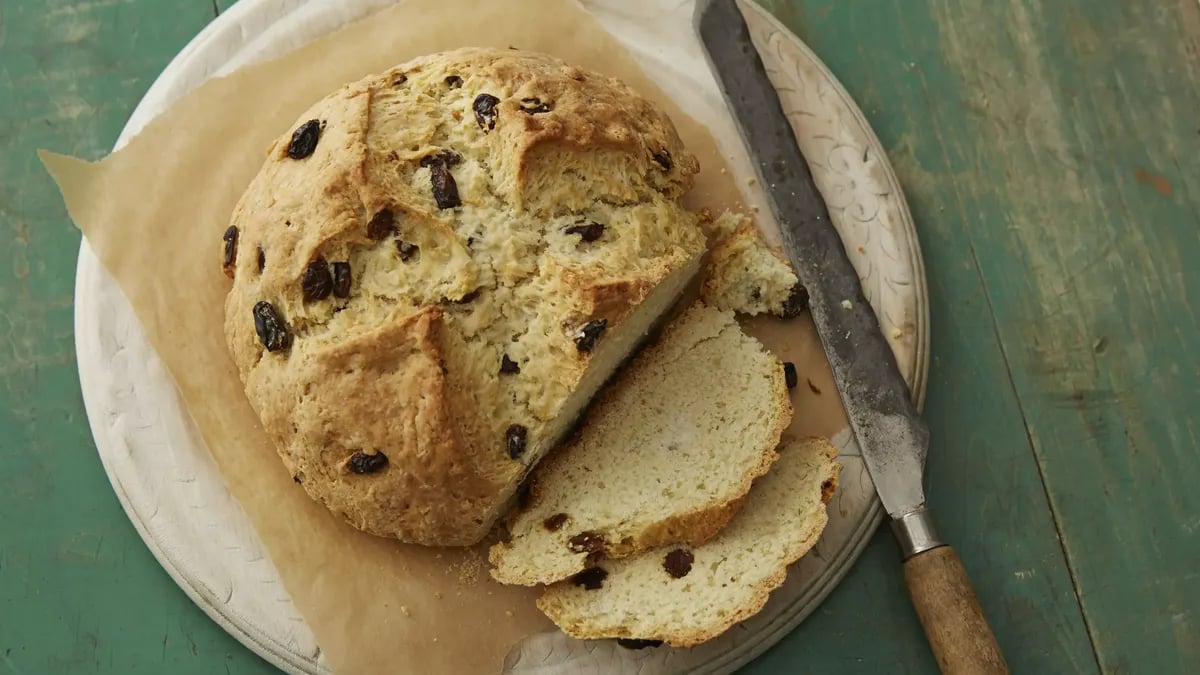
436	269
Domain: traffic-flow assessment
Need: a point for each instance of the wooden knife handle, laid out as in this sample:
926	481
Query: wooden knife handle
959	634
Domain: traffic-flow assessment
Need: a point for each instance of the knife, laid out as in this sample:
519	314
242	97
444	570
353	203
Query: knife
891	435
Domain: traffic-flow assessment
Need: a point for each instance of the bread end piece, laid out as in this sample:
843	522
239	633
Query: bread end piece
744	274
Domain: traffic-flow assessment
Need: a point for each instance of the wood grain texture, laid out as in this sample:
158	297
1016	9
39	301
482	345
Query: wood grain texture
958	632
1049	149
984	484
79	591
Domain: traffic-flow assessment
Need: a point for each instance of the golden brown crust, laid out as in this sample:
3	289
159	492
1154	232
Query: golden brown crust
408	363
693	529
537	555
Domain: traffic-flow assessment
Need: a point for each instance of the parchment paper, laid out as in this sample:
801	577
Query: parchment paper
154	213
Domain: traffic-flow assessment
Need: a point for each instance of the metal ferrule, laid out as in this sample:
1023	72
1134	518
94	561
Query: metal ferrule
915	533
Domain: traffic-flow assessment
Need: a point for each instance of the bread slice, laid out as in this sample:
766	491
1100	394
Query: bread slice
745	275
666	455
727	580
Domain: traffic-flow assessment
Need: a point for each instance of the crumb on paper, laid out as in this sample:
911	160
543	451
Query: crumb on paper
723	170
846	304
861	249
404	610
508	613
751	180
435	639
468	569
437	595
813	388
754	209
897	333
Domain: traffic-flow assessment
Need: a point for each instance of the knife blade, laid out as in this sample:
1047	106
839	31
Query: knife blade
891	435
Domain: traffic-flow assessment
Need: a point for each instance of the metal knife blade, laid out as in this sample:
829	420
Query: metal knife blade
890	432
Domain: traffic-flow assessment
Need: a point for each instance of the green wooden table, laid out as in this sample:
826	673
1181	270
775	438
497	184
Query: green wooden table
1049	153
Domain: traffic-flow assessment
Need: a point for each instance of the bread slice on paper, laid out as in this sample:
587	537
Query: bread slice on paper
685	596
666	455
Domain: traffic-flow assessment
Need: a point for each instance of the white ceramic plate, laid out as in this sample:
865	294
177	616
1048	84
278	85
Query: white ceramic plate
170	487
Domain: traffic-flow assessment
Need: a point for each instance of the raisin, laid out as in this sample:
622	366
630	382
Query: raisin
453	81
534	106
508	366
297	480
591	579
586	338
400	79
827	489
447	157
360	462
262	260
555	522
382	225
317	281
635	643
586	542
789	375
485	111
587	231
663	157
231	241
270	328
406	250
796	301
304	139
514	440
445	190
678	563
341	279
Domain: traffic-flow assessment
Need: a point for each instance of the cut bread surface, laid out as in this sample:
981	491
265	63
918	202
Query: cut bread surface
666	455
686	595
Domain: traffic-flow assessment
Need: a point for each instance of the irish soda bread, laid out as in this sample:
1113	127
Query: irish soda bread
745	275
684	595
435	270
665	455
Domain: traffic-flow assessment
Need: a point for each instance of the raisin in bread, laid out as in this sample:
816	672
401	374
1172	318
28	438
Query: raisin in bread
438	267
745	275
684	596
666	454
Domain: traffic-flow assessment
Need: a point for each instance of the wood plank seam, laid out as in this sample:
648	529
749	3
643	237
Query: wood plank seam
1054	518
